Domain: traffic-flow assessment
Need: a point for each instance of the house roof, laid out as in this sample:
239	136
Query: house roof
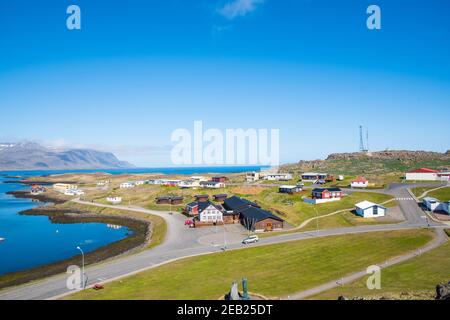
220	195
201	196
169	198
360	179
258	214
236	203
367	204
288	187
423	170
333	189
203	205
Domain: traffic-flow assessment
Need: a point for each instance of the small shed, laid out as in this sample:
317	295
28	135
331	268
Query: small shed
201	197
289	189
220	197
367	209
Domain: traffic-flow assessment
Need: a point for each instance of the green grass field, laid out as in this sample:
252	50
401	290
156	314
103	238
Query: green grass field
272	270
416	278
442	194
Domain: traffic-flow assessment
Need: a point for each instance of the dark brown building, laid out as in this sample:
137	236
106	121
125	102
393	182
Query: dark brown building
169	200
219	179
252	216
220	197
202	197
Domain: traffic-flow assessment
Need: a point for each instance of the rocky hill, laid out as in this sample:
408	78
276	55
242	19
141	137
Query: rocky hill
373	162
32	156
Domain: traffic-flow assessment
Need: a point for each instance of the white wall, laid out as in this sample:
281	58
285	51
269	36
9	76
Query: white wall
368	213
359	184
422	176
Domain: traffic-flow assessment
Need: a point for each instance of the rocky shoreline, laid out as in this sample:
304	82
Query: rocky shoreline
24	194
140	236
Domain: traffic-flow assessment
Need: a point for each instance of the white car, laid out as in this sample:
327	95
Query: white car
250	239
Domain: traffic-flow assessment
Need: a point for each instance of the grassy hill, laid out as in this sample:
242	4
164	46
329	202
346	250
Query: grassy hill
380	162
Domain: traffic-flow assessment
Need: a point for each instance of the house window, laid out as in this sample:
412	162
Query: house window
375	210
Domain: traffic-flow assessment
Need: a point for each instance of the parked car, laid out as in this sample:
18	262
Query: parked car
250	239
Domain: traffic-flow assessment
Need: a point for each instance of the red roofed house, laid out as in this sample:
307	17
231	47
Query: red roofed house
422	174
360	182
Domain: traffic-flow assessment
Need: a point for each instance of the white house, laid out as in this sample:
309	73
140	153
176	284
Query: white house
189	184
422	174
126	185
359	182
279	176
198	178
212	184
139	183
170	183
114	200
367	209
252	176
63	187
314	176
210	214
290	189
433	204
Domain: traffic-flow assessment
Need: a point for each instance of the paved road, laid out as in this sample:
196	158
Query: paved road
180	243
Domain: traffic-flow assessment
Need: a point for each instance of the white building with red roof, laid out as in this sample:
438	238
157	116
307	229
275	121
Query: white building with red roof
359	182
422	174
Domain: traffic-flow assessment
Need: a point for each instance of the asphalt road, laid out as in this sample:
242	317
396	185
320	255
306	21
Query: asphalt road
181	243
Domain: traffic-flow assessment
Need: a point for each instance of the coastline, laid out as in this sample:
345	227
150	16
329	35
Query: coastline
138	239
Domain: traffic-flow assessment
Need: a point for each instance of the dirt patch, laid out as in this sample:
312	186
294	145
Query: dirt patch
253	190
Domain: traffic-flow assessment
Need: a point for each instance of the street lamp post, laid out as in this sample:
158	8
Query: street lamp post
82	268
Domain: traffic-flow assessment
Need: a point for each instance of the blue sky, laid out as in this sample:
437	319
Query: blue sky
139	69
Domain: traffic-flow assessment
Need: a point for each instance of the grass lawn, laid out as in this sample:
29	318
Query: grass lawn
346	219
442	194
272	270
417	277
294	210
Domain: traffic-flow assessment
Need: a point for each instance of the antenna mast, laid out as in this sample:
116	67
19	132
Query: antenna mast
362	148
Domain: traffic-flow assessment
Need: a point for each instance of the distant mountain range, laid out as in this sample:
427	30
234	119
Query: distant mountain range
33	156
376	162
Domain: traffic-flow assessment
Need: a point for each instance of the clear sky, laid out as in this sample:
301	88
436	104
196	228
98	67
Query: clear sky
139	69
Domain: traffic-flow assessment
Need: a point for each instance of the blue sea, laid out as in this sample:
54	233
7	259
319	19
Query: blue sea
32	241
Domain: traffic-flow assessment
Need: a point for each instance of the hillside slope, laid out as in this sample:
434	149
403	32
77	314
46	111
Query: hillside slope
373	162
